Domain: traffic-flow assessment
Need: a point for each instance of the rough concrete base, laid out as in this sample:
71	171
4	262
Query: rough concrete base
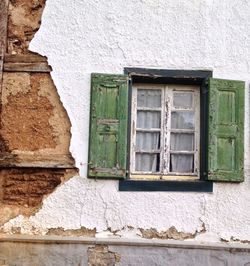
93	252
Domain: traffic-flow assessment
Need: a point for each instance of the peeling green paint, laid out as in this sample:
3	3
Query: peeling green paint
108	126
226	130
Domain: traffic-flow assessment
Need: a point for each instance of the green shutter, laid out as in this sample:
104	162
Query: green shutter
108	126
226	130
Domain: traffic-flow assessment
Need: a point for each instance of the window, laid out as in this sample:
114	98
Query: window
165	131
166	123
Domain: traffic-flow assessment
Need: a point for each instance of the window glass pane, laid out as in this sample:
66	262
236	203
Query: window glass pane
182	142
148	119
149	98
182	120
147	141
183	100
147	162
182	163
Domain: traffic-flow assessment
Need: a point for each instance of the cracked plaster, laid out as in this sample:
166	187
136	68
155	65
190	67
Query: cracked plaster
80	37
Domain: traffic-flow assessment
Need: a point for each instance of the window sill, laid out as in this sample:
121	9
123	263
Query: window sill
150	177
163	185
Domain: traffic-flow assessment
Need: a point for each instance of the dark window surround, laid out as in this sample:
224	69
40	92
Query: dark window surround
170	76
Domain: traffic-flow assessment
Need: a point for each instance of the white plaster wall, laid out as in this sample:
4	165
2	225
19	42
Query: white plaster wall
84	36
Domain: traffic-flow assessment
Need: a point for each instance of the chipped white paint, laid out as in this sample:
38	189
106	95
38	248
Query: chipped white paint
80	37
165	113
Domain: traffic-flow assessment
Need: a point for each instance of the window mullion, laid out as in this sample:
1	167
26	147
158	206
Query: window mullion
197	133
162	130
166	132
133	129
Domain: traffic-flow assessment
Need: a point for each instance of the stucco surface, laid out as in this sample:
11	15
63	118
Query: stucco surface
80	37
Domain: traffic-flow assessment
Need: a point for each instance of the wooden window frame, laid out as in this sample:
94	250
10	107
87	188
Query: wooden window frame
217	130
165	76
167	92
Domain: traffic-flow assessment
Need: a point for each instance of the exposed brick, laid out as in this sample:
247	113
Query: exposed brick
15	200
17	189
28	186
34	201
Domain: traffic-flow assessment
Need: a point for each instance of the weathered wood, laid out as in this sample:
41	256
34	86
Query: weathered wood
163	148
3	22
27	67
108	126
3	34
226	130
43	161
26	63
161	76
1	63
24	58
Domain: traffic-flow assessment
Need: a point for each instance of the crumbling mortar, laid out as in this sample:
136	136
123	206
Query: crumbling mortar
22	28
100	255
9	212
171	233
236	240
118	233
82	231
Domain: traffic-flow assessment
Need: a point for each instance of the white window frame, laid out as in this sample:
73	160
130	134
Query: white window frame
166	108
